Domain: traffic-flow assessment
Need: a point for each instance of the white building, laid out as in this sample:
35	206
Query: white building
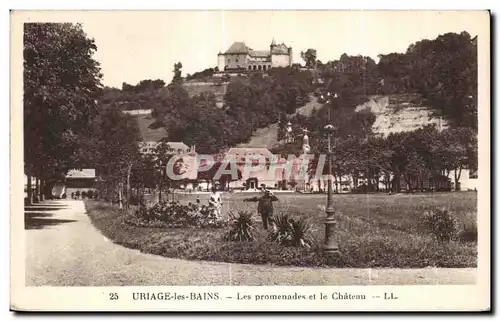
240	57
177	147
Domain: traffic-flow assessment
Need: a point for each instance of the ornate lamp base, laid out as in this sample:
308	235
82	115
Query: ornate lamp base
330	245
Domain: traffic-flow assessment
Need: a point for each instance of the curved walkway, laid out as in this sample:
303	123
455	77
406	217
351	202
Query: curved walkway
64	249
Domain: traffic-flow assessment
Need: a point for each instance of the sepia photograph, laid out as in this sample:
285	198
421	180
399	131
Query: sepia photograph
219	148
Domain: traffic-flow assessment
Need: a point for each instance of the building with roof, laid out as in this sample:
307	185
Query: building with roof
177	147
239	57
77	180
251	179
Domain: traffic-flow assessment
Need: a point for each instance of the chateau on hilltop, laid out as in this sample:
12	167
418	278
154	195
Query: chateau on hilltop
239	57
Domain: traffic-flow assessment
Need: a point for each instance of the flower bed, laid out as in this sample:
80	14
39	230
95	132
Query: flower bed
174	214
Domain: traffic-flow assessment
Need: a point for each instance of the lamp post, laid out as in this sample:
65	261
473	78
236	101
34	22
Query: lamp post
330	245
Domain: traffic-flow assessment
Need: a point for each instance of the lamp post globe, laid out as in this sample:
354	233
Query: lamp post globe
330	129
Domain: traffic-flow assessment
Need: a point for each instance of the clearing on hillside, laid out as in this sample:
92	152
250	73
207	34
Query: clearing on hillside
197	87
268	136
400	113
147	133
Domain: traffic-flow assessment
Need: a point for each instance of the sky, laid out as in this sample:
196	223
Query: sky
137	45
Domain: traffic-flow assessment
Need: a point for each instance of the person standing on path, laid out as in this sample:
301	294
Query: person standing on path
265	206
215	202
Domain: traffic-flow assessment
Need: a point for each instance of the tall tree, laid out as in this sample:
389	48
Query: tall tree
309	56
443	70
115	150
161	155
459	152
61	84
177	72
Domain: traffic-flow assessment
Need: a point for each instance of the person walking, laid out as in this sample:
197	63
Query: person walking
265	206
215	202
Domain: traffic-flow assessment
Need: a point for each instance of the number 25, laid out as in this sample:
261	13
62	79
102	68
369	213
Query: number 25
113	296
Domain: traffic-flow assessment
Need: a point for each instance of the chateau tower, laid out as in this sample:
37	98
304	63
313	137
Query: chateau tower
306	148
288	133
273	44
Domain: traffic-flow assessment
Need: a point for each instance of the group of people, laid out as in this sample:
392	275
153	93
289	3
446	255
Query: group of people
264	207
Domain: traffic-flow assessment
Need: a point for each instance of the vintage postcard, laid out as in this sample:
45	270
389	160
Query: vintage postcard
250	160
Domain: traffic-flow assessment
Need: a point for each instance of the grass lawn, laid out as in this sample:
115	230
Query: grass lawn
372	231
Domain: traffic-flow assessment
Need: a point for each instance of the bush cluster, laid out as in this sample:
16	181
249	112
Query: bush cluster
441	223
468	228
90	194
242	228
174	214
444	225
291	232
284	231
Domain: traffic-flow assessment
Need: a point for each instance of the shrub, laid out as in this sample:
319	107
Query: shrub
174	214
441	223
136	199
300	233
468	228
142	211
280	229
242	228
289	232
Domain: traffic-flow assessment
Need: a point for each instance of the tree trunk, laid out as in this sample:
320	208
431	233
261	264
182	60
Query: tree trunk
37	189
457	178
397	181
128	185
40	190
47	191
29	191
110	195
408	183
368	181
120	197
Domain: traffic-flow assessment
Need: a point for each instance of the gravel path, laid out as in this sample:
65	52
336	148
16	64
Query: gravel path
64	249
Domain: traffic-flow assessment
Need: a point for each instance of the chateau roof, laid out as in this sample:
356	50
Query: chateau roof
250	151
280	49
178	145
238	47
81	173
241	48
259	53
173	145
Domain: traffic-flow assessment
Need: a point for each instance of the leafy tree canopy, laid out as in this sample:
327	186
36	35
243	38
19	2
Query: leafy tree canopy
61	87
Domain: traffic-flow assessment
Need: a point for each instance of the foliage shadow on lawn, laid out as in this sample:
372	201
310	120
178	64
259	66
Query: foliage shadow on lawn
35	223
